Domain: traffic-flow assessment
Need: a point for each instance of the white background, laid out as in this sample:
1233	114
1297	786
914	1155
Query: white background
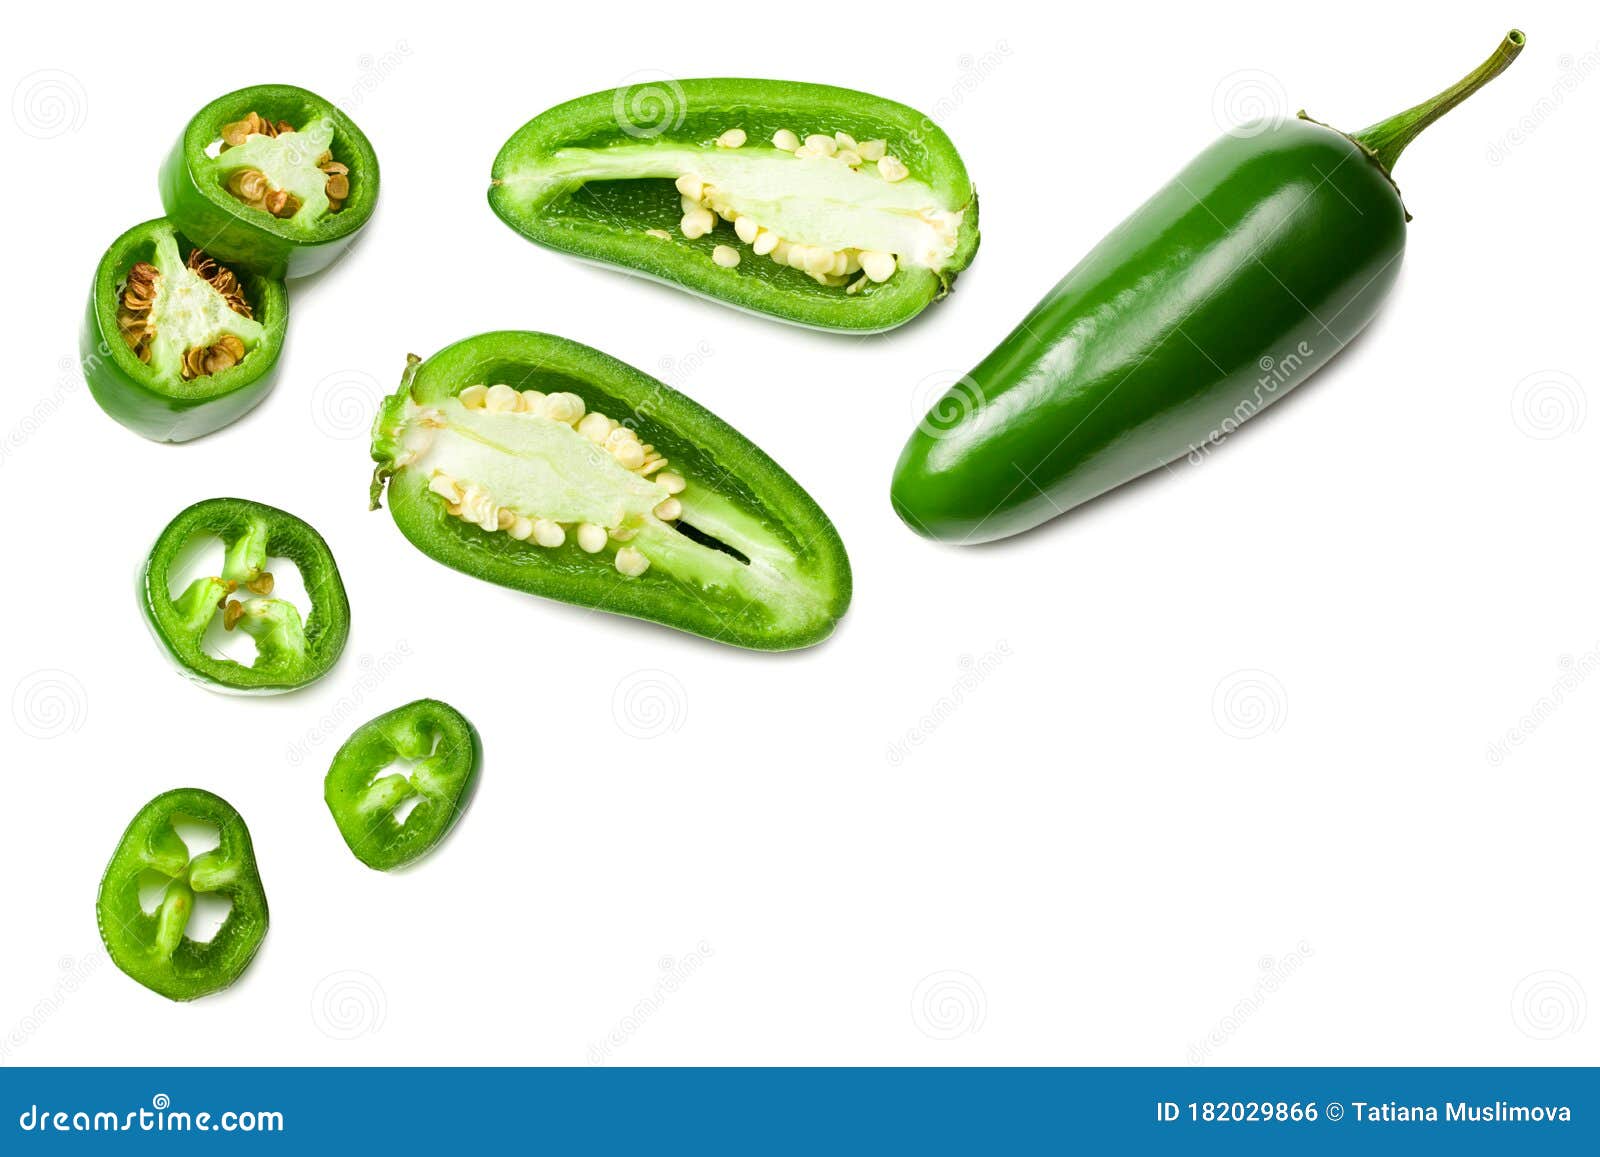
1222	791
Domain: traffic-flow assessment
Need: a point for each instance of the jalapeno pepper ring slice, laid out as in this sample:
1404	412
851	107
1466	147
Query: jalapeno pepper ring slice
290	653
273	178
176	344
148	896
391	818
821	206
546	466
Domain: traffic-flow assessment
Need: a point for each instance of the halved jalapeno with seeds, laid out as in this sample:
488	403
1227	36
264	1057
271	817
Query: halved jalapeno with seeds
818	205
175	343
273	178
546	466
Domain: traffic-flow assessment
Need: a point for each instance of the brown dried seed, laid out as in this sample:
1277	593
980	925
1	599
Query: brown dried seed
261	584
282	203
249	185
338	183
133	308
139	293
234	132
227	351
213	359
231	614
222	279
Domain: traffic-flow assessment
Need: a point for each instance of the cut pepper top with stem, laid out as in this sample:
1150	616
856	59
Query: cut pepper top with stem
543	465
290	652
819	205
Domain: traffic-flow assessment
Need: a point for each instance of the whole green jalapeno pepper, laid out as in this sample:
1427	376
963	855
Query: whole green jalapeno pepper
1255	265
290	652
176	344
272	178
149	891
546	466
822	206
392	819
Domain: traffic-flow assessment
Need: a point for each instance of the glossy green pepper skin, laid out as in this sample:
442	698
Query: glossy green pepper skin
194	194
752	561
289	653
152	398
444	752
151	946
591	177
1247	272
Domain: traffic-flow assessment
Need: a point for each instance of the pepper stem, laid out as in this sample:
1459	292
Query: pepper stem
1387	139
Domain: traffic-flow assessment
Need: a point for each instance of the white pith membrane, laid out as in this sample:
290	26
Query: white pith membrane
288	161
188	313
842	211
542	470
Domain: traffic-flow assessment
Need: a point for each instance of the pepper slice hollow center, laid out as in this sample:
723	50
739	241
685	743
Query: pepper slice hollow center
544	470
274	624
844	212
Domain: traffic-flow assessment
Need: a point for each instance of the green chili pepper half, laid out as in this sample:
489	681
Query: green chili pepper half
543	465
272	178
392	819
1255	265
289	653
174	344
817	205
149	889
